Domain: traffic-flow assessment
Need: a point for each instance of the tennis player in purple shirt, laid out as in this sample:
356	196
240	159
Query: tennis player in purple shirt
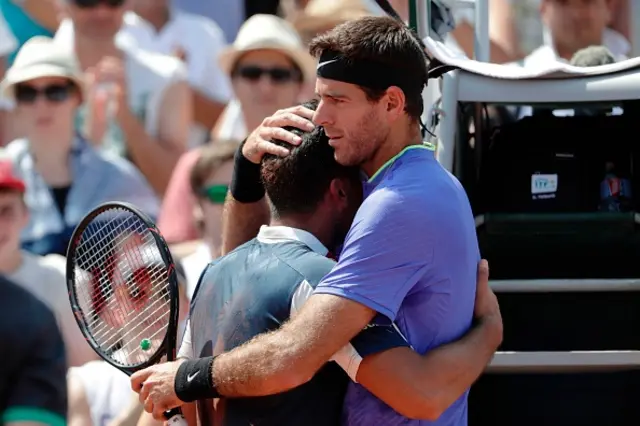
409	259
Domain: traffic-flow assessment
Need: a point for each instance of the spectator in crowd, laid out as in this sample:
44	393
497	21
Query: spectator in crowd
30	18
134	32
502	31
197	41
209	181
44	277
100	394
184	197
572	25
138	103
65	176
319	16
32	371
228	14
268	66
7	44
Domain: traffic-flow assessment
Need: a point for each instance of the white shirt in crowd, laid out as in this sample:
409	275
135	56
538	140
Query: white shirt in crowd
200	38
107	390
45	278
149	75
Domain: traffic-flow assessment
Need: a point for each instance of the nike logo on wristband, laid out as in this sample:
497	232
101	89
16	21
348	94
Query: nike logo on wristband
190	377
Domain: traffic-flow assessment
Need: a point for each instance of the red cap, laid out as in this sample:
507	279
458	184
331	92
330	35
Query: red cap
8	179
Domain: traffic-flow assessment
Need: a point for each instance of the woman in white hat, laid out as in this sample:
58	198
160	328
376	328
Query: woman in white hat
270	69
269	66
65	176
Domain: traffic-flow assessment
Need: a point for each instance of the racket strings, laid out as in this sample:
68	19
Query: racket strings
122	287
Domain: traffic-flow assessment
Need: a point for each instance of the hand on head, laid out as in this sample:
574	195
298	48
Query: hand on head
272	128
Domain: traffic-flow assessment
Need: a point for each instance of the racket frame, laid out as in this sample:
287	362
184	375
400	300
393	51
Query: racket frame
168	345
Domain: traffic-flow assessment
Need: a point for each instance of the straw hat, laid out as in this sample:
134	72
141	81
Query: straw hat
268	32
41	57
321	14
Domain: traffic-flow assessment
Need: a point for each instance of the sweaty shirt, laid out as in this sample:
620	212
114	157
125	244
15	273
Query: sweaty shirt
411	254
254	289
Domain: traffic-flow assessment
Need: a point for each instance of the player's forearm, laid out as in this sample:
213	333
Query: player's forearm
242	221
448	371
269	364
423	387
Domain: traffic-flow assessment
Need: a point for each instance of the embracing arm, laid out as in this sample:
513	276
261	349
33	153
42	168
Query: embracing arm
290	356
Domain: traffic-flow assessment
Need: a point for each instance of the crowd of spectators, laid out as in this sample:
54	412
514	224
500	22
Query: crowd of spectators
146	101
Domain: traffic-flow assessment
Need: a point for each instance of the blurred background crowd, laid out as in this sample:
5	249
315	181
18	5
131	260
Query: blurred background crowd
146	101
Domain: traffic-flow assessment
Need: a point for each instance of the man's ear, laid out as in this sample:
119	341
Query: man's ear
337	190
395	102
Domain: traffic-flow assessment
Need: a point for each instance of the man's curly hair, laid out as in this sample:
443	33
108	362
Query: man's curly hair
298	182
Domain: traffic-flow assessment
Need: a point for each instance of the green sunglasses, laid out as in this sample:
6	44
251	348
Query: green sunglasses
216	194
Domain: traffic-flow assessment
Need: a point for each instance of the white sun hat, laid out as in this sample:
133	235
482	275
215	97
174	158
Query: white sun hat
273	33
41	57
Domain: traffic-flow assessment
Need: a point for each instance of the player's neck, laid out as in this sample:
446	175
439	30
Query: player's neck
11	262
397	140
315	224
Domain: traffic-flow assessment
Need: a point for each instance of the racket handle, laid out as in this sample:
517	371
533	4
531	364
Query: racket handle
175	418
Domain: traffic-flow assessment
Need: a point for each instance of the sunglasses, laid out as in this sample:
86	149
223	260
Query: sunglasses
216	194
54	93
87	4
277	75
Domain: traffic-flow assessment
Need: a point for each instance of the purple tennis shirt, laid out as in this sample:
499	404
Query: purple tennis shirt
411	255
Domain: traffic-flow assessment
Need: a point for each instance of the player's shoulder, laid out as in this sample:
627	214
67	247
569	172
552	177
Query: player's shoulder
310	265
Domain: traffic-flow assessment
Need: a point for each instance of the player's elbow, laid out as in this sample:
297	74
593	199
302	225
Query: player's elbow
424	405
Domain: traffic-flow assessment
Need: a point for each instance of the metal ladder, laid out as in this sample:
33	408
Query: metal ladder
531	362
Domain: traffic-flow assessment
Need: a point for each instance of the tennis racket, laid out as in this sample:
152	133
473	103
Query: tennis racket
123	289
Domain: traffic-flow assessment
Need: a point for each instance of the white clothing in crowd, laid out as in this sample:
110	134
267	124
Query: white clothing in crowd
45	278
149	75
199	38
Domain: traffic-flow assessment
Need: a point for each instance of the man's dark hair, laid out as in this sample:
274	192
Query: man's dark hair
298	182
384	40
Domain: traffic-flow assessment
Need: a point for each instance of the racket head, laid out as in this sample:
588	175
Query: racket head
123	287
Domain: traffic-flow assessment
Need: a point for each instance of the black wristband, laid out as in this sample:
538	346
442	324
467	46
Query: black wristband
194	380
246	184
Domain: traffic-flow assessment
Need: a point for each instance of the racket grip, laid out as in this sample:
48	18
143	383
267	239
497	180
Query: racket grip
175	418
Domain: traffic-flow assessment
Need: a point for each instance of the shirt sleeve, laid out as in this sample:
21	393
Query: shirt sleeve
186	347
376	336
39	393
387	251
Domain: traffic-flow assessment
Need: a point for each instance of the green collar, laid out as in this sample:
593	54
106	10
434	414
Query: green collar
425	145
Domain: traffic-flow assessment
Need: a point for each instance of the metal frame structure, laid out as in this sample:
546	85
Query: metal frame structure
461	86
